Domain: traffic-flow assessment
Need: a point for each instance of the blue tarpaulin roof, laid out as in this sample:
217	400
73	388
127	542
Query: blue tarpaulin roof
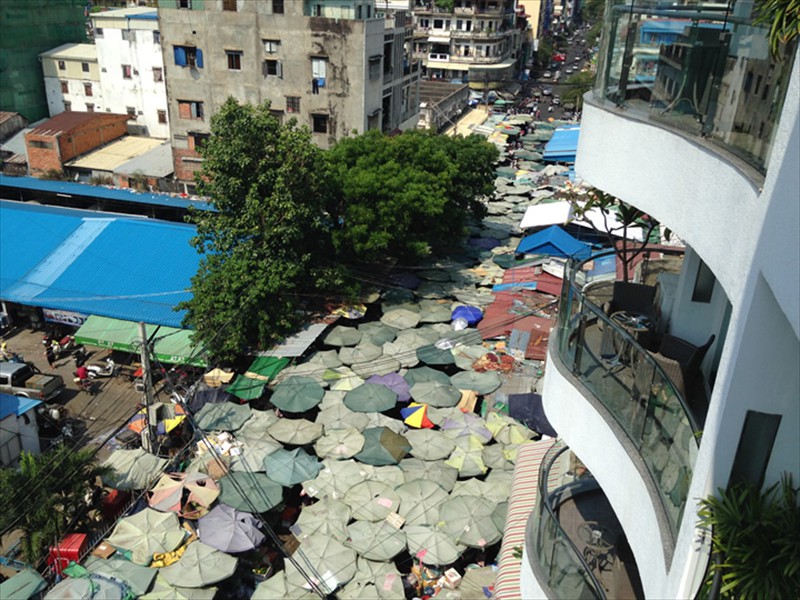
121	267
563	146
18	405
554	241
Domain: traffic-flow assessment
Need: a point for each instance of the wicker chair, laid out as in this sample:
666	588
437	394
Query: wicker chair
632	297
681	360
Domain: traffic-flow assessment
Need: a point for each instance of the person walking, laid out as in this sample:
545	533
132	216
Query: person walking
50	355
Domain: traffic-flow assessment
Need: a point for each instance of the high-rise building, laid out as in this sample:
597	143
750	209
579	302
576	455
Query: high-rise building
335	66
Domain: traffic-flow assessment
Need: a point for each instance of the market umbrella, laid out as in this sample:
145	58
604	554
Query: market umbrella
435	393
146	533
250	492
188	494
507	430
25	584
395	382
339	416
307	369
498	485
500	515
297	394
209	395
332	398
335	478
425	374
370	397
428	444
419	501
377	333
371	500
327	517
434	312
256	426
339	443
230	530
471	314
431	545
375	541
404	352
480	383
136	577
468	456
391	475
434	470
253	453
363	352
433	355
377	419
334	564
494	458
416	415
198	566
468	519
342	379
374	580
132	469
84	588
382	366
342	336
466	356
277	587
289	467
325	359
222	417
438	415
297	432
382	446
476	580
465	424
163	590
400	318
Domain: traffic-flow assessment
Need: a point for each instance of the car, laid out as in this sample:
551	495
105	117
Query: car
568	71
556	100
547	91
547	75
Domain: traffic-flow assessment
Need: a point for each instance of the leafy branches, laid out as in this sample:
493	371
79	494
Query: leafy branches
783	19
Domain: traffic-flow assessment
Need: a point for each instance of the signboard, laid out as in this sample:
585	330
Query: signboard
64	316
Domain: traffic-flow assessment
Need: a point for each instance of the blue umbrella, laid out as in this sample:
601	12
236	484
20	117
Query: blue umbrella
471	314
289	467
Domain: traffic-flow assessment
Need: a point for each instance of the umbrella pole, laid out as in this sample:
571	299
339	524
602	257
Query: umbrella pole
149	431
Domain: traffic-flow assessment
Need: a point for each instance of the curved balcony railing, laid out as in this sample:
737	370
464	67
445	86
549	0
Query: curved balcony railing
699	68
637	393
556	557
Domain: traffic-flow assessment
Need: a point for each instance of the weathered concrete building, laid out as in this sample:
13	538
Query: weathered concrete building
72	79
337	66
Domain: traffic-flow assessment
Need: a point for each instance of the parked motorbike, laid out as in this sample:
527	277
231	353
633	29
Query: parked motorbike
109	369
88	386
61	346
80	356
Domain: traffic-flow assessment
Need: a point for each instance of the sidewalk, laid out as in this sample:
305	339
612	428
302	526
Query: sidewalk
464	125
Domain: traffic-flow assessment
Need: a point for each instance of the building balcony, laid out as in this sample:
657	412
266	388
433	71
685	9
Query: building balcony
478	35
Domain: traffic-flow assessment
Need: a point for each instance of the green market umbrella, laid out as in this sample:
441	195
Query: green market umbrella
225	416
146	533
434	470
434	312
374	581
475	581
84	588
297	394
400	318
246	388
137	577
343	336
435	393
132	469
382	446
362	353
431	355
297	432
277	587
432	546
480	383
468	457
383	366
494	458
25	584
425	374
342	379
163	590
255	428
200	565
254	451
428	444
466	424
371	501
306	369
339	416
500	514
438	415
339	443
468	520
289	467
498	484
377	333
391	475
403	351
507	430
327	517
327	359
375	541
370	397
334	564
250	492
419	501
335	478
465	356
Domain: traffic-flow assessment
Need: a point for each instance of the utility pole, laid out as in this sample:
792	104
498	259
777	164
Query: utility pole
150	431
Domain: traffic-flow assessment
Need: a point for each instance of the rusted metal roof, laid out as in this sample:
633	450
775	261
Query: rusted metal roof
69	121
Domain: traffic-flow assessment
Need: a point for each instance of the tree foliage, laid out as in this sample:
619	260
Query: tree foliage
783	19
578	84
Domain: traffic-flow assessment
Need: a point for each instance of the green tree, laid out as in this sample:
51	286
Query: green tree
783	19
43	501
267	248
578	84
407	196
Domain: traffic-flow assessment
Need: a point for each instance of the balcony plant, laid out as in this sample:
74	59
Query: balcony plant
783	19
755	540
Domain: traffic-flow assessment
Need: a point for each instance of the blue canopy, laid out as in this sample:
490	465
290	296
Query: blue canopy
554	241
563	146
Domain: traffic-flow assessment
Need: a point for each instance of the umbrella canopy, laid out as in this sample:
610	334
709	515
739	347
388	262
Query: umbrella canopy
335	479
374	580
133	469
297	432
480	383
433	355
328	359
297	394
391	475
466	424
254	451
434	312
276	587
163	590
362	353
435	393
188	494
419	501
424	375
438	415
382	366
289	467
250	492
434	470
209	395
200	565
222	417
382	446
256	426
327	517
395	382
230	530
370	397
146	533
23	585
339	443
137	577
342	379
377	333
371	500
342	336
416	415
471	314
375	541
84	588
494	458
381	420
403	352
334	564
468	456
468	519
507	430
338	416
465	356
431	545
428	444
400	318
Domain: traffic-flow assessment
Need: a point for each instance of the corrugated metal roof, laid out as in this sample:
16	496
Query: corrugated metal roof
117	153
112	266
563	146
298	343
68	121
18	405
73	52
156	162
132	12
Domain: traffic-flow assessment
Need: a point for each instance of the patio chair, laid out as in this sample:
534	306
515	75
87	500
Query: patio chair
681	360
632	297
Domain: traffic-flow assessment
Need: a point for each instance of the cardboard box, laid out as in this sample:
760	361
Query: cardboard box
104	550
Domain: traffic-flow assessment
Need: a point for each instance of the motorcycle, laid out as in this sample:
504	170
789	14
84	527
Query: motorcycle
60	346
80	356
109	369
88	386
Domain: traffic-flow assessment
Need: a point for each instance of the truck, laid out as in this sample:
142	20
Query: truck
20	379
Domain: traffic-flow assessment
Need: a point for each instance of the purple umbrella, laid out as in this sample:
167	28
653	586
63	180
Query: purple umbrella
229	530
486	243
471	314
396	383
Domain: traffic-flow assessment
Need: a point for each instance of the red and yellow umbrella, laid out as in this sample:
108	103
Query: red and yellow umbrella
416	415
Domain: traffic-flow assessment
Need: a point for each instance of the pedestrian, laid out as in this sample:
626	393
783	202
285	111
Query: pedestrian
50	355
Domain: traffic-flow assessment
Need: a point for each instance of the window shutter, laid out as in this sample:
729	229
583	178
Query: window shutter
180	56
264	68
184	110
280	69
199	58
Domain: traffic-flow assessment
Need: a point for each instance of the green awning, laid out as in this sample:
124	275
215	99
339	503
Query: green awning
246	388
266	367
171	345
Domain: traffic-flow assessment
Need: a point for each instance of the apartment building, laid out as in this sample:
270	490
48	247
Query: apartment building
72	79
476	41
659	412
337	66
132	69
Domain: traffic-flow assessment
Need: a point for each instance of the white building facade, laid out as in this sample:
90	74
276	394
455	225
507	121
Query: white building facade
72	79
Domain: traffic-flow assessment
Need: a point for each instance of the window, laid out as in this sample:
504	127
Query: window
98	32
185	4
271	46
131	110
272	68
197	140
85	67
40	144
67	106
755	447
234	60
62	65
89	107
703	284
64	87
319	123
188	56
190	109
319	73
277	7
229	5
158	74
87	89
162	116
374	67
156	37
127	72
128	35
292	104
278	114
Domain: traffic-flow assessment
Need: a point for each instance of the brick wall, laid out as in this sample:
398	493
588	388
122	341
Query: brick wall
185	169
